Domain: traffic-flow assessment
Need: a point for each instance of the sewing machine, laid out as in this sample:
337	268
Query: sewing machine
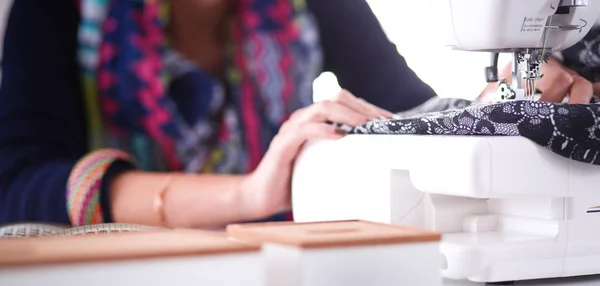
530	30
508	209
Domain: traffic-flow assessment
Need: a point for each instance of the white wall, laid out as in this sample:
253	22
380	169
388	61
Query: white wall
408	24
4	8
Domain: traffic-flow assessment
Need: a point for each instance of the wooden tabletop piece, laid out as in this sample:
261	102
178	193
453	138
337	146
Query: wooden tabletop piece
153	244
331	234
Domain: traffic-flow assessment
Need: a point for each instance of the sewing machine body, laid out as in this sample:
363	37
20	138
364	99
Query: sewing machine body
508	209
511	25
530	30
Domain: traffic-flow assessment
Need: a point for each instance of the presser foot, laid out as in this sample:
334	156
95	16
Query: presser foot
505	92
526	72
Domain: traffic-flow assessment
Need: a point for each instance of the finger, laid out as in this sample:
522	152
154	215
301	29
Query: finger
331	111
379	112
555	87
313	130
570	71
360	105
554	73
581	91
596	88
286	145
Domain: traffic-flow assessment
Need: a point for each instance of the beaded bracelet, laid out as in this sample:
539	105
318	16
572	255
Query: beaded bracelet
84	185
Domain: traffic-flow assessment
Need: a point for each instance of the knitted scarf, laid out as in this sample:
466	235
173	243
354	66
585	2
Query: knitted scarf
144	98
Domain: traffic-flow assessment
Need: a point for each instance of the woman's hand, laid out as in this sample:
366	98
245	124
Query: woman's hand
557	83
267	189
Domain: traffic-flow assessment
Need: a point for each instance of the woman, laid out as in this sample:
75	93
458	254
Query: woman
184	113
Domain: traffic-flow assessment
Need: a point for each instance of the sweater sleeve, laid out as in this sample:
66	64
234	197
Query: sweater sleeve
363	59
42	124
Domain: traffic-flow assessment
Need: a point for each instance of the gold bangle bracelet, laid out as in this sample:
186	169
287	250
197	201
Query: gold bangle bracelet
159	201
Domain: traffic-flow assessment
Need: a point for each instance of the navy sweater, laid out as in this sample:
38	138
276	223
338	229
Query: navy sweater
42	120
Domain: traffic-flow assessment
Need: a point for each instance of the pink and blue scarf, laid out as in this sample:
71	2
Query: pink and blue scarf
143	98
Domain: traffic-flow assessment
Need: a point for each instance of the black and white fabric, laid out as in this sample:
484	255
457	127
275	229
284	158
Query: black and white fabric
569	130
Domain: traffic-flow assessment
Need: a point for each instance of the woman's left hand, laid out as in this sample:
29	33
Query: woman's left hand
267	189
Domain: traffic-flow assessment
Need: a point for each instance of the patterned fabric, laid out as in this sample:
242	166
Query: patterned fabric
83	187
569	130
145	99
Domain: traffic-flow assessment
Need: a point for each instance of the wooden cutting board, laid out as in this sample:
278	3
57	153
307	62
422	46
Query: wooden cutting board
331	234
112	247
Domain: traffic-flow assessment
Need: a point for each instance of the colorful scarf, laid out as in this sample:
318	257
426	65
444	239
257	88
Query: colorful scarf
144	98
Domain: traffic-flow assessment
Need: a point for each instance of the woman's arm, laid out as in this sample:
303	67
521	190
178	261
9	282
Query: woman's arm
363	59
190	200
42	132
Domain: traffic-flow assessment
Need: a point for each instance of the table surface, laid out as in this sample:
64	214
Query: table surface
576	281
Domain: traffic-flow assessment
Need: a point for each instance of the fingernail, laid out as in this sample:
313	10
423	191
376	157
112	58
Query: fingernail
340	132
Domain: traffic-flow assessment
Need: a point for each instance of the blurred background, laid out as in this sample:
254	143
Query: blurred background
409	25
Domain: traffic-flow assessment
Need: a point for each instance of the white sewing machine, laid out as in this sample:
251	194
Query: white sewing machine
508	208
530	30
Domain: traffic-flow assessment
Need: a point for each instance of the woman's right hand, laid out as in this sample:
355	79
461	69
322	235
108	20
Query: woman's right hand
267	190
557	83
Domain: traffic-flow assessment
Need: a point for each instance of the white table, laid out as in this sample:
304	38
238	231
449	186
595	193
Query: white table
537	223
578	281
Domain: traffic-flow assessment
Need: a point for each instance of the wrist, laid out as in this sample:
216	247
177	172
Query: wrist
207	201
246	198
106	198
212	201
253	203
